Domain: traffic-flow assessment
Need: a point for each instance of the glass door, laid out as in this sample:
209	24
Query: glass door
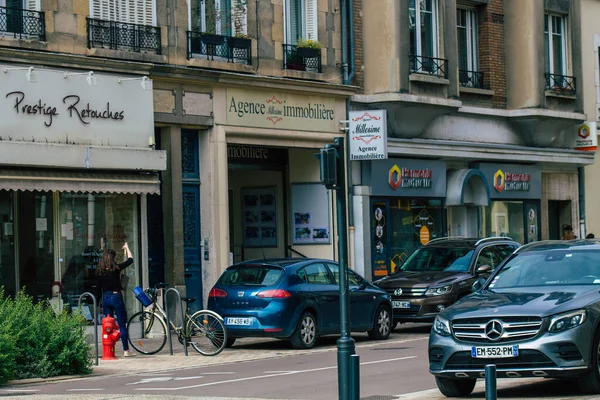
8	276
35	243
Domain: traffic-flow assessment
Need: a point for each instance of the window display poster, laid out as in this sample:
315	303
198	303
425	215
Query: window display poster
310	214
378	211
259	217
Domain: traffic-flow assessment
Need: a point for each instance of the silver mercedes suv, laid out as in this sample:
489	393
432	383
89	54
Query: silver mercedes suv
537	315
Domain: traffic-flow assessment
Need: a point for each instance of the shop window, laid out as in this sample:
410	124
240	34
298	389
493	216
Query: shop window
7	244
505	218
89	224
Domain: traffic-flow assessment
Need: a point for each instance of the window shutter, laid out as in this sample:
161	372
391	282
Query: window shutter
239	17
33	5
101	9
310	25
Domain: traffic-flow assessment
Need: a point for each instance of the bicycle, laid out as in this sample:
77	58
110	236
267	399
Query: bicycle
147	329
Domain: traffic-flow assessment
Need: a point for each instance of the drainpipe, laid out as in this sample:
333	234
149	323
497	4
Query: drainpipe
348	47
581	184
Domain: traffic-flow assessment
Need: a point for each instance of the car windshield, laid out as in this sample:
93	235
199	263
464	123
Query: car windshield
251	275
555	267
438	259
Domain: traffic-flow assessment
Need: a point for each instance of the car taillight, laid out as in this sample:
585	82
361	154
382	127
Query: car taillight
274	294
214	292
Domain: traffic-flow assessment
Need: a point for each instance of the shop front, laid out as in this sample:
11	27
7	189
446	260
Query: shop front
275	203
514	207
406	209
75	169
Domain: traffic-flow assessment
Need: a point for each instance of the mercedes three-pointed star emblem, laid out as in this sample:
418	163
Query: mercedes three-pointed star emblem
494	330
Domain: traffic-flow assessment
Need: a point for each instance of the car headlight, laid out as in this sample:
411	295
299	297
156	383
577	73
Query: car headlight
441	326
438	291
563	322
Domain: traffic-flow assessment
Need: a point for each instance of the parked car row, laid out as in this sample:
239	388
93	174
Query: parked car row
533	310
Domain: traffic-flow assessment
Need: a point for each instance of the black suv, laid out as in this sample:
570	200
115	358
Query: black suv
439	273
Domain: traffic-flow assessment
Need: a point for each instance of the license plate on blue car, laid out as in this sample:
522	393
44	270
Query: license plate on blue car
238	321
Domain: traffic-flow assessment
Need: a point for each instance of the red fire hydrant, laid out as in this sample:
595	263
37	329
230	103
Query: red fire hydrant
110	336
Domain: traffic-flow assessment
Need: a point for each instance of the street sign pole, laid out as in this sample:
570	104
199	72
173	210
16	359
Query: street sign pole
331	159
345	343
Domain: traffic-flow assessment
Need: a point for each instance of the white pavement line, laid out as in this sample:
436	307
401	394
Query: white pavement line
184	378
83	390
423	394
152	380
272	375
362	363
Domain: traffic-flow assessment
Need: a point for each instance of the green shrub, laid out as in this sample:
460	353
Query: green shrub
37	343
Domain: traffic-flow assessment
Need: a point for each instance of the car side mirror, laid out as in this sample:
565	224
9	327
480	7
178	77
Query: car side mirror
477	285
483	269
363	285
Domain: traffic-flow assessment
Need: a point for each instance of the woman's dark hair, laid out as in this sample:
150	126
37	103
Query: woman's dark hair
107	263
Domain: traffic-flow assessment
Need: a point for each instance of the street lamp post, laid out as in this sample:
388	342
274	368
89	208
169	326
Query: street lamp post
333	177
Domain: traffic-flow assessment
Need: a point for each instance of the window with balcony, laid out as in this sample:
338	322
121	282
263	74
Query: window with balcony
301	49
218	30
424	31
468	58
555	36
22	19
124	25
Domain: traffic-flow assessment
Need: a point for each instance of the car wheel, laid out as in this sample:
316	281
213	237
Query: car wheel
230	341
590	381
382	325
305	335
455	387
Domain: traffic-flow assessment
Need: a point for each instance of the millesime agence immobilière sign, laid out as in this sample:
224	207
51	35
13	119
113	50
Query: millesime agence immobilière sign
74	107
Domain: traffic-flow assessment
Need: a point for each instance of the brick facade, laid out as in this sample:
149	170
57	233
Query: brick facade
492	59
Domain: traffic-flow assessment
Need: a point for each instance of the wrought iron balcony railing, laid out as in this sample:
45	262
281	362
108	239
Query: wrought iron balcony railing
428	66
561	84
23	23
301	58
470	79
123	36
219	47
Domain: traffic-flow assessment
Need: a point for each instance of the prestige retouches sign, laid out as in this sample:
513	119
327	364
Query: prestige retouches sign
280	111
75	107
368	135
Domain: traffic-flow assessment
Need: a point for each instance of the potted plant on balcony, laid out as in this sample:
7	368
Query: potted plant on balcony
308	48
240	41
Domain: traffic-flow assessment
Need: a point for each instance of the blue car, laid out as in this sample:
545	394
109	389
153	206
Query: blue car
296	299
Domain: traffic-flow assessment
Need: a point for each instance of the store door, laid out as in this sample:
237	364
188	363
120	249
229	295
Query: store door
192	245
8	275
35	243
559	215
156	242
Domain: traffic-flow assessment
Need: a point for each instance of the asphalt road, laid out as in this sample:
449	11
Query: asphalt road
392	369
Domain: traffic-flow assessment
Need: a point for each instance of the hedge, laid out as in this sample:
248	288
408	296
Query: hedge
35	342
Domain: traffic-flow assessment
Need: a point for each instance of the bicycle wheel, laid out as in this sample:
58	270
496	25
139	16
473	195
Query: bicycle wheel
147	332
207	332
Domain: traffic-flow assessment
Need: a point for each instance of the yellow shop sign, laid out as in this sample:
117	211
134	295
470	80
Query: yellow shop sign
280	111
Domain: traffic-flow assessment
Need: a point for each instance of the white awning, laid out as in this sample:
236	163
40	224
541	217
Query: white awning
88	182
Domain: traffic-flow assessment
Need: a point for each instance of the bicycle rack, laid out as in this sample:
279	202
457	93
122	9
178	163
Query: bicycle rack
185	344
95	319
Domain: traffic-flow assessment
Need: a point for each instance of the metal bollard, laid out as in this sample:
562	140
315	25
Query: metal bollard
95	319
491	392
354	377
183	320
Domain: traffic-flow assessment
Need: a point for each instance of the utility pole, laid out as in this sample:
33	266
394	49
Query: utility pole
332	176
